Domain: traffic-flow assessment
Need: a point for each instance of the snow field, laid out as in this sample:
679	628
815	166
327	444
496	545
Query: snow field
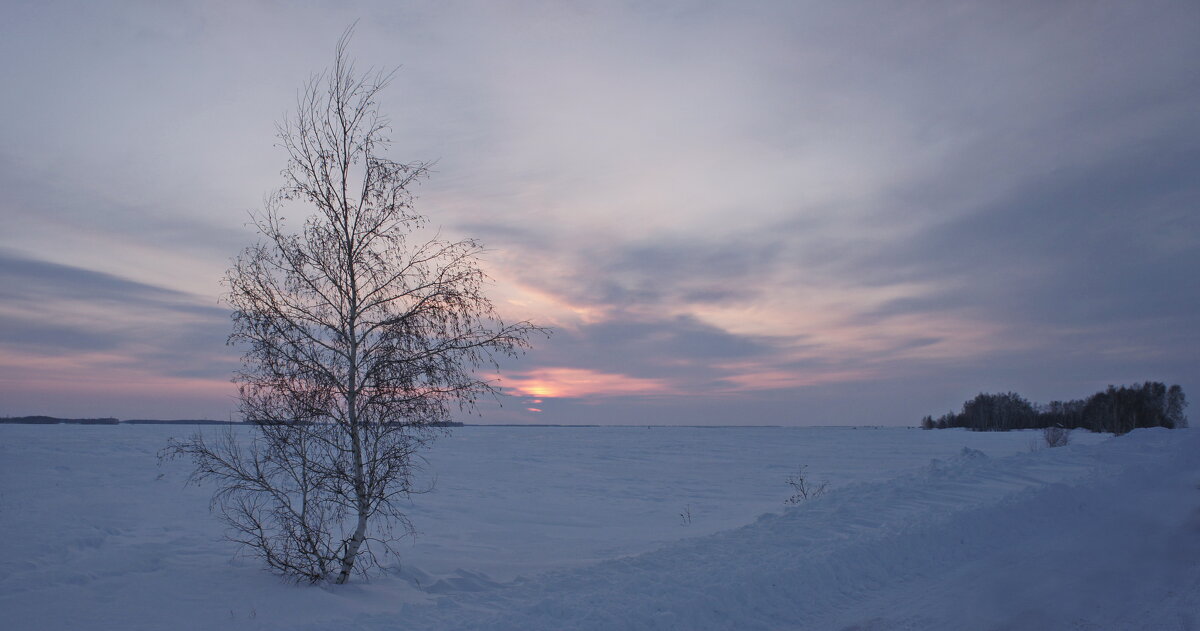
579	528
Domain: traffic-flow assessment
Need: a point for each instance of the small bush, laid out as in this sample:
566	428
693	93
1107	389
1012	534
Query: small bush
1056	436
803	488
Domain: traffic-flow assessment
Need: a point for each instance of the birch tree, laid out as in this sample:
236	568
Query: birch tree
360	338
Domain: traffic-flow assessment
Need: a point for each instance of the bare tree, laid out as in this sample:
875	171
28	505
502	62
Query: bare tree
803	487
359	337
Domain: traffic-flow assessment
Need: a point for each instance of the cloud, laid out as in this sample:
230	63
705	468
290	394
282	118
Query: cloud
773	201
1096	246
30	279
87	333
956	186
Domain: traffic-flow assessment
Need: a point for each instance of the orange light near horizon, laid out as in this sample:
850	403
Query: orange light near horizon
575	383
539	390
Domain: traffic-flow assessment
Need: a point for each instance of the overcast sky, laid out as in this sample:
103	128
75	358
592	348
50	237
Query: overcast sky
730	212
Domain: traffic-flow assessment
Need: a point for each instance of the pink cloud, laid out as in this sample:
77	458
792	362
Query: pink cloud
106	383
752	379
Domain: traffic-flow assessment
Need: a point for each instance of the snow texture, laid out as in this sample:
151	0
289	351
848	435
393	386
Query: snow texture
585	528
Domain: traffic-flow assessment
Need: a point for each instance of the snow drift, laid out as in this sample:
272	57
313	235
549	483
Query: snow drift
1103	534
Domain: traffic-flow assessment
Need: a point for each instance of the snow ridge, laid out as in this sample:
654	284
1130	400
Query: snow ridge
860	557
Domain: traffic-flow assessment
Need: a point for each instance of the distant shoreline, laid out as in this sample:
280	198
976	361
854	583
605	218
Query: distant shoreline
51	420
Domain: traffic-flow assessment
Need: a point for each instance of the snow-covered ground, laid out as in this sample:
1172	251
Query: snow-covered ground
585	528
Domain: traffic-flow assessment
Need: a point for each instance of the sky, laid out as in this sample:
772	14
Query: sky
742	213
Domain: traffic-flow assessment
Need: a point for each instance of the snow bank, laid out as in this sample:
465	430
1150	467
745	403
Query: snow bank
990	536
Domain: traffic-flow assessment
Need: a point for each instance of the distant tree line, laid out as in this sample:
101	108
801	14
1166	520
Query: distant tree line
1117	410
52	420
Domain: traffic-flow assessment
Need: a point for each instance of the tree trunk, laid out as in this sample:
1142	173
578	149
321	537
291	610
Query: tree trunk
352	546
360	499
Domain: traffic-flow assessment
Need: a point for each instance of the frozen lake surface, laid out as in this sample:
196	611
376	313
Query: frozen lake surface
635	527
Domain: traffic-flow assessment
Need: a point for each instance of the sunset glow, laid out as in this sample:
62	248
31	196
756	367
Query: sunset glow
577	383
988	198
